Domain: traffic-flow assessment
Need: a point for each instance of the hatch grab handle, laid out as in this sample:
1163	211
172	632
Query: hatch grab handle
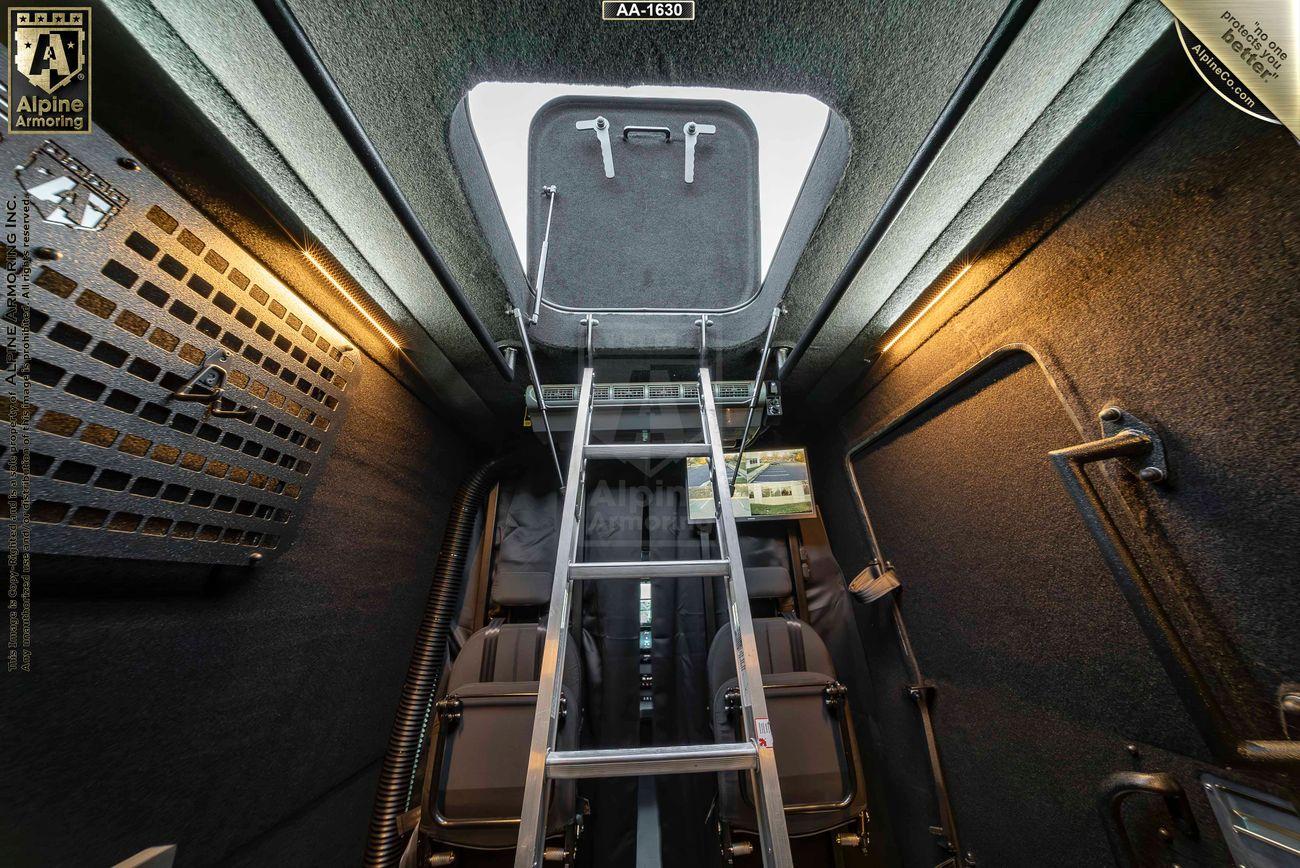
634	130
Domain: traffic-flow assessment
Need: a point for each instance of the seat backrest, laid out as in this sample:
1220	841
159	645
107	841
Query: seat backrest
528	517
784	645
499	652
816	750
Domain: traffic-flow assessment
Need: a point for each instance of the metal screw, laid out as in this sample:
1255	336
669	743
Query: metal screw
1112	414
690	128
1151	474
600	123
129	164
47	253
1132	749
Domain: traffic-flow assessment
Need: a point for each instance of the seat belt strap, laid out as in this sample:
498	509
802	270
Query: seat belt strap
794	630
537	650
487	668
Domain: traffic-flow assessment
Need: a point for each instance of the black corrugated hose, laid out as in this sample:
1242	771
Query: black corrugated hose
396	778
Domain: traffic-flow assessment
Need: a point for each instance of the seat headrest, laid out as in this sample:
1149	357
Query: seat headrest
766	556
528	528
764	582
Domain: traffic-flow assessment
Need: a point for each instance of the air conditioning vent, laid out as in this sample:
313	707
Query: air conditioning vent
560	394
740	391
641	394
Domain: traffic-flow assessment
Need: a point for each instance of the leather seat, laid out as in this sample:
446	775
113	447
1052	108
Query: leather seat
816	749
481	730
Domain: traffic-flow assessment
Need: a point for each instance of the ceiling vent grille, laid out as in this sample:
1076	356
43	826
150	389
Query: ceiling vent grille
641	394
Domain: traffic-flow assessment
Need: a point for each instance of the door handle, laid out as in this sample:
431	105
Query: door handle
1117	788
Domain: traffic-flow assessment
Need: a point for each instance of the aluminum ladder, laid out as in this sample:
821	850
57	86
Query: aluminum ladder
754	754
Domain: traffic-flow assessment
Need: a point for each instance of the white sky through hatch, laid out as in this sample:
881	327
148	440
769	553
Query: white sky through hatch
789	125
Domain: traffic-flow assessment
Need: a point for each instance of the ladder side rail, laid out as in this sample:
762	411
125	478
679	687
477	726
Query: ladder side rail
765	783
532	823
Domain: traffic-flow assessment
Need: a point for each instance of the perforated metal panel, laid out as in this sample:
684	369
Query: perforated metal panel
144	295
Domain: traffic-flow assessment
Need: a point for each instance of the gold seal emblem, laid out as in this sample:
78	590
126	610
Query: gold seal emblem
50	47
49	69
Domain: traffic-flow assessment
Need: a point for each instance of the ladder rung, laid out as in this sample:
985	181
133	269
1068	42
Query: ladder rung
648	569
646	450
626	762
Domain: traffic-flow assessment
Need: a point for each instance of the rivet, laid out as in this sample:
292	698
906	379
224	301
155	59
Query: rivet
690	128
254	557
1165	834
1111	414
47	253
1132	749
1151	474
129	164
600	123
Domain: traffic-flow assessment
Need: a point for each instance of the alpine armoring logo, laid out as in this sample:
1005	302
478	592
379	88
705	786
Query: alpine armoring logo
49	70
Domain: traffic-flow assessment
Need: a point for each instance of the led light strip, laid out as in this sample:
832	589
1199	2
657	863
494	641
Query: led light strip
923	311
343	291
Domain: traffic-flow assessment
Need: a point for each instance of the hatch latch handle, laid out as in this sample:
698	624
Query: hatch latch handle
693	131
601	126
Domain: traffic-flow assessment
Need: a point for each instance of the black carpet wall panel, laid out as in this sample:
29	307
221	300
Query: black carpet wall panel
239	714
1169	291
1042	673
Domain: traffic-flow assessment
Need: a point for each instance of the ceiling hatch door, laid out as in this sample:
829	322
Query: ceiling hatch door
645	238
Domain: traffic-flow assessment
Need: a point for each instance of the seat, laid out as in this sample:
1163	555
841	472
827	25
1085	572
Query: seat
812	727
482	726
478	754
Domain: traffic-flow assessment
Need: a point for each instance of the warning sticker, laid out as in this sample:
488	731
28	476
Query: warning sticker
763	729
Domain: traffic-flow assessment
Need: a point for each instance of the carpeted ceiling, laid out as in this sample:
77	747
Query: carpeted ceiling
886	66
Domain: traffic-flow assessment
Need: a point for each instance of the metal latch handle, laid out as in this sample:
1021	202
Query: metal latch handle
601	126
693	131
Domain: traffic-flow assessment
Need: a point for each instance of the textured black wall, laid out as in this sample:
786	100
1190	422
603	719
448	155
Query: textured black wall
1170	291
241	715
